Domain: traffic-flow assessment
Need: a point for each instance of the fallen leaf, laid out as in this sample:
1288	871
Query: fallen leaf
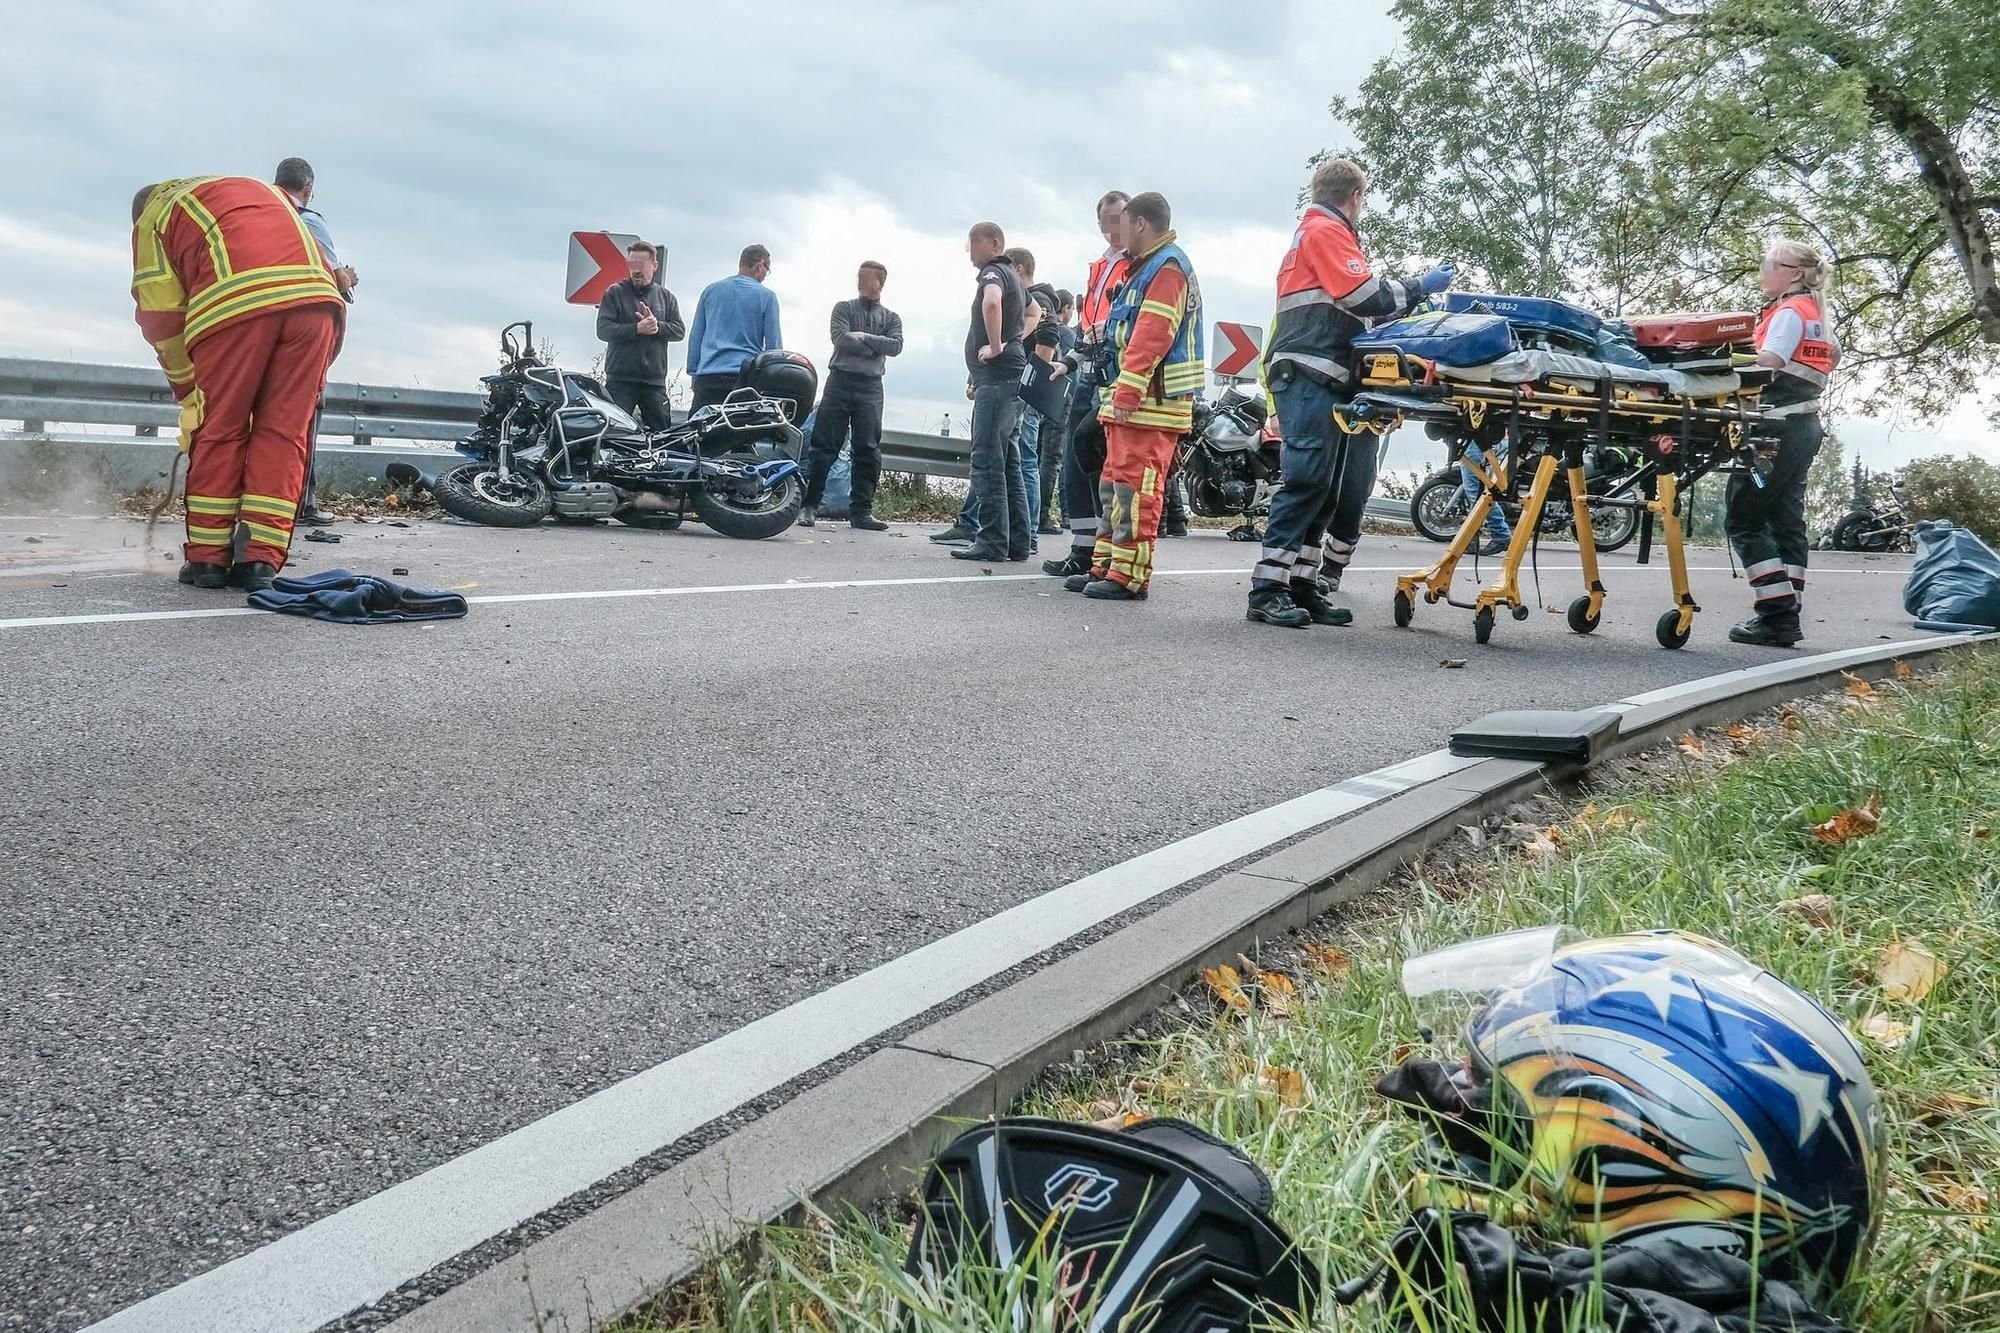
1886	1032
1903	671
1793	722
1857	687
1982	832
1452	663
1941	1107
1851	824
1325	961
392	500
1957	1196
1690	745
1588	813
1540	847
1102	1109
1289	1085
1553	834
1815	909
1228	987
1277	983
1909	971
1615	819
1114	1116
1743	734
1474	835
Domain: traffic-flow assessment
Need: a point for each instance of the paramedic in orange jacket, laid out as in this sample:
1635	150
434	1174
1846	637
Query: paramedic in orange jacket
236	298
1767	523
1327	294
1154	327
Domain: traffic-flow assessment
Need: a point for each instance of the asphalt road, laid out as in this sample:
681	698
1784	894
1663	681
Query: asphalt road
295	911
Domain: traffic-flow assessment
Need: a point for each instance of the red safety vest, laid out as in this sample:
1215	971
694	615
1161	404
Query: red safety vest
1803	377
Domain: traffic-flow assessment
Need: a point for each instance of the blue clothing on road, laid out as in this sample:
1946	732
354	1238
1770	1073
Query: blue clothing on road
736	318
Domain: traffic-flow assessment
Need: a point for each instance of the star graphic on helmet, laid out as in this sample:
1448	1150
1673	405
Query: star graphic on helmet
1810	1090
1658	983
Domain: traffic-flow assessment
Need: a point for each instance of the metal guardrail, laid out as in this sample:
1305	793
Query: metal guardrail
36	393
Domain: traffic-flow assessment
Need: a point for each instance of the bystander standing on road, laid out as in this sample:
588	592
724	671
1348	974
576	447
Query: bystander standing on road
865	335
1042	394
994	361
295	177
636	320
1055	432
1083	451
736	318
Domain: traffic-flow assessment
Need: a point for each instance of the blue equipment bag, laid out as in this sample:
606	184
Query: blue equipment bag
1531	312
1450	340
1955	582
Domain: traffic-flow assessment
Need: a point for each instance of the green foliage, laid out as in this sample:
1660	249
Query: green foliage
1964	490
1637	155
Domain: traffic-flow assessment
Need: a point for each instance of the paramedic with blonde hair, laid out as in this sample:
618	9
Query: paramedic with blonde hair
1767	523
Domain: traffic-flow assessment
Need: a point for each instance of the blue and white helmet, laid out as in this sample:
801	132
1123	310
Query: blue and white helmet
1665	1087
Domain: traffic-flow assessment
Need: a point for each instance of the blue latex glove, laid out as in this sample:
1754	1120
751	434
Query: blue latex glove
1438	279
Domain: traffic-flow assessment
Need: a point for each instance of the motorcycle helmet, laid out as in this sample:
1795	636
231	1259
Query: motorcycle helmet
1655	1086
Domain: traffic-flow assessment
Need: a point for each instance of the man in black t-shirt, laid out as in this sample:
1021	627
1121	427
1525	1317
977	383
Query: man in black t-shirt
994	360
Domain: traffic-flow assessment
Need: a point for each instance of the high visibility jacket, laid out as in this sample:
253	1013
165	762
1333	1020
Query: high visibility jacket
1107	272
210	250
1155	326
1327	296
1802	379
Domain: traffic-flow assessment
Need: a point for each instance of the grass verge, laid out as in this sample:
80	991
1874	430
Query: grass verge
1712	835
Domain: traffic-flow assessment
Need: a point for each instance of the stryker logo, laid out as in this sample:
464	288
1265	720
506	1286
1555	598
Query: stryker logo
1080	1187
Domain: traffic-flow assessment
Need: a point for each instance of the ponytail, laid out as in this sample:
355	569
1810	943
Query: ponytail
1813	271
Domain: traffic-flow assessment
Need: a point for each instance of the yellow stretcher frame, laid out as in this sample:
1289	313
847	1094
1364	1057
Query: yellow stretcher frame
1732	416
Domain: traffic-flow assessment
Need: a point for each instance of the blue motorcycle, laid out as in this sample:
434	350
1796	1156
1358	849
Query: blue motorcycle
551	443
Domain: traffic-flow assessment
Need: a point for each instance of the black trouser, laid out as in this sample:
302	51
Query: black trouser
1356	484
1051	449
309	497
851	402
1767	524
1082	469
648	402
712	389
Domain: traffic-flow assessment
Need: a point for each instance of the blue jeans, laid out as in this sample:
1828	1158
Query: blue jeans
1496	525
1000	500
1029	437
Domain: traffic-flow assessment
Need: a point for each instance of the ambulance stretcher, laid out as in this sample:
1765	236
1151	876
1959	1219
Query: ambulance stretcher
1537	384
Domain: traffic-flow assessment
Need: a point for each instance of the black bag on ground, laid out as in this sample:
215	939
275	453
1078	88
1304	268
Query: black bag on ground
1160	1218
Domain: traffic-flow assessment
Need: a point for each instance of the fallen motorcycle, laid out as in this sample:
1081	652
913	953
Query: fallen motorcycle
1226	464
551	443
1876	527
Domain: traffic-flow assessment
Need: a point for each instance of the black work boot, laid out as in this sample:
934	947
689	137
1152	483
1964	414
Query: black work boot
1274	606
1779	631
1110	590
1175	516
808	517
867	522
1079	582
204	576
1076	562
252	575
1306	597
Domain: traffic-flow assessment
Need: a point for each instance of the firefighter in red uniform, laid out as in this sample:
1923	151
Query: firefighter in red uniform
1154	327
236	298
1767	523
1083	459
1327	294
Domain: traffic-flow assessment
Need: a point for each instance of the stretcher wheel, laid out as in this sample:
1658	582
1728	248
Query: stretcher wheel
1520	613
1669	631
1402	609
1580	618
1482	626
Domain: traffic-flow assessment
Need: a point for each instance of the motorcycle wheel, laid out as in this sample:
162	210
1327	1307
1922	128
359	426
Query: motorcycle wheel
1613	527
474	492
767	516
1439	507
1851	534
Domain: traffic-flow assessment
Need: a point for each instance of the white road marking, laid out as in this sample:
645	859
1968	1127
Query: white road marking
722	589
323	1270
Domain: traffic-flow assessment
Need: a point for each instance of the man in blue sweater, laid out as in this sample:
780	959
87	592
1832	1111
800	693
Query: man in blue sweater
736	319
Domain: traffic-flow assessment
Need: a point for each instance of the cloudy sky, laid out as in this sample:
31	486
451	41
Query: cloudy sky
457	145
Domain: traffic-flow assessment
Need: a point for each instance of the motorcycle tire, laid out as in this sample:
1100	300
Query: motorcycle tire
1613	527
1852	533
778	510
1439	507
471	492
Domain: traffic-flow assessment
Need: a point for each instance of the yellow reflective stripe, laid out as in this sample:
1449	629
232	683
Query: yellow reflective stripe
259	300
198	532
298	220
218	253
270	504
208	504
1135	381
263	532
222	291
1160	308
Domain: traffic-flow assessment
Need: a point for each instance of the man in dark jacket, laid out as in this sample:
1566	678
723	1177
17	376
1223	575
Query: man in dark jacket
636	320
866	334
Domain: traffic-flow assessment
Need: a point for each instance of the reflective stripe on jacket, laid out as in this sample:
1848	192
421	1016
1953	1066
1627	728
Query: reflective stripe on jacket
1803	377
1155	325
1328	295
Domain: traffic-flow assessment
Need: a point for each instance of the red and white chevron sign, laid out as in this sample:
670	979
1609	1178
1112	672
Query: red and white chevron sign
1242	341
596	260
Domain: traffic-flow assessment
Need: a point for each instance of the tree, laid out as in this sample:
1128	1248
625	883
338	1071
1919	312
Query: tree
1642	153
1964	490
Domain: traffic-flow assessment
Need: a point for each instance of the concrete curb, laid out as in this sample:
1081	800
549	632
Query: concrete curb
857	1137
